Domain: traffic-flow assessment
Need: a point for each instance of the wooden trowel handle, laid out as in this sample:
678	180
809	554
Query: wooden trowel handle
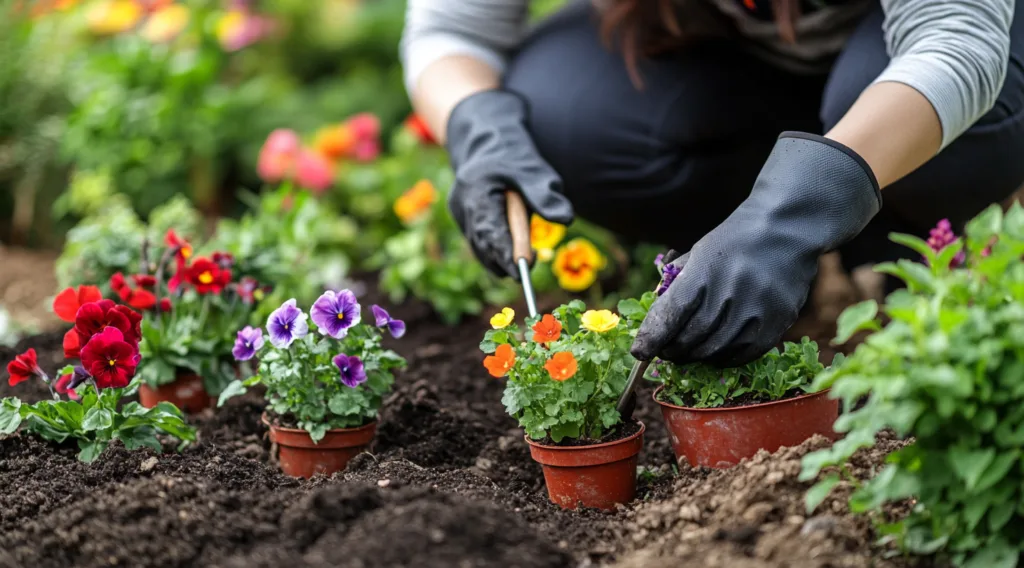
519	224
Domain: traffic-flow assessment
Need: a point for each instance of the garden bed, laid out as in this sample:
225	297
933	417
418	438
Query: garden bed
450	483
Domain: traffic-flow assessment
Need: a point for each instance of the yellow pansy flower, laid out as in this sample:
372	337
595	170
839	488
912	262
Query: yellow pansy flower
502	319
576	265
545	236
599	320
114	16
166	23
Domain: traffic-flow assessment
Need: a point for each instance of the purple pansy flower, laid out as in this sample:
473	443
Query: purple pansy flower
351	369
668	275
659	260
335	312
248	342
395	327
286	324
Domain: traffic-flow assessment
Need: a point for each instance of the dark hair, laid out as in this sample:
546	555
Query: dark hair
643	28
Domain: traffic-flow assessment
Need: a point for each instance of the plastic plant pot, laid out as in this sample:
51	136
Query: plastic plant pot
186	392
722	437
600	476
299	456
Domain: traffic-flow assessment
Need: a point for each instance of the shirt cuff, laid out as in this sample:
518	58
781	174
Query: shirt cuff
421	52
928	77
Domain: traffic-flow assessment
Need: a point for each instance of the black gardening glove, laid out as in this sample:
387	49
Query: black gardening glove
492	152
742	285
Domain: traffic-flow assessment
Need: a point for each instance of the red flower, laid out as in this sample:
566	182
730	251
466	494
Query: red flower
23	367
183	250
117	282
418	127
72	344
165	304
66	304
109	359
66	384
141	299
144	280
206	277
94	317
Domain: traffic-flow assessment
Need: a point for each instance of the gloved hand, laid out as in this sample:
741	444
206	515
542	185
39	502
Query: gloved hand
491	152
741	286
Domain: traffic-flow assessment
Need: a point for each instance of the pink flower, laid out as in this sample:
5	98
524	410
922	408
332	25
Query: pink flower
313	171
279	155
365	128
942	236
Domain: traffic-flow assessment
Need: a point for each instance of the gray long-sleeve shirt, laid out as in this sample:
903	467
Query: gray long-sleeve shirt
954	52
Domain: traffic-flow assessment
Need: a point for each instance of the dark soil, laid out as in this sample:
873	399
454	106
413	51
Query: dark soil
449	482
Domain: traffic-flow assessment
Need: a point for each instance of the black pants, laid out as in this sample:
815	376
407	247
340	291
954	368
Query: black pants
668	163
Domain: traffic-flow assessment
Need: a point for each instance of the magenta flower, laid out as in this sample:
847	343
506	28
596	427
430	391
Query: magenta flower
941	237
335	312
286	324
247	343
351	368
384	320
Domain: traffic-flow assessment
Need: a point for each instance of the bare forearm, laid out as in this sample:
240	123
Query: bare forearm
893	127
444	84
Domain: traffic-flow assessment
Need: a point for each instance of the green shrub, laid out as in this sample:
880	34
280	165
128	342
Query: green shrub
947	370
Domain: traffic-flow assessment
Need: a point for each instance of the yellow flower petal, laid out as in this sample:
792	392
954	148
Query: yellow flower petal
545	235
166	23
577	264
599	321
502	319
114	16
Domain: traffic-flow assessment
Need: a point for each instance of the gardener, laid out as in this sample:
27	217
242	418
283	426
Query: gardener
672	136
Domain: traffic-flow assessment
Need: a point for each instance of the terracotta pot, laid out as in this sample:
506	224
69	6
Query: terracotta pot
186	392
721	437
599	476
299	456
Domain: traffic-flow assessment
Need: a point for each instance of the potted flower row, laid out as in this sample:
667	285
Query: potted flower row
323	388
105	340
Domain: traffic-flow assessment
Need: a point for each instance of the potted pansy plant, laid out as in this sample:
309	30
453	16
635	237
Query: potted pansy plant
188	333
565	374
323	388
105	341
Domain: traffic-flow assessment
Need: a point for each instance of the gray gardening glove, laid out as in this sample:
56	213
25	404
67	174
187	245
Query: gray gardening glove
492	152
742	285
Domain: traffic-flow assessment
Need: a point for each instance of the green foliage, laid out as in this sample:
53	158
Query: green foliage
290	240
581	406
110	241
196	335
430	259
946	370
303	384
773	376
96	420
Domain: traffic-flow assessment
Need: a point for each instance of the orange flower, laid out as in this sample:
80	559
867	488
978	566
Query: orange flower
561	366
334	142
548	329
416	201
576	265
499	364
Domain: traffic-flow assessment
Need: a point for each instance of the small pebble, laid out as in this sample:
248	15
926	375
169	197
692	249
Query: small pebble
149	464
383	483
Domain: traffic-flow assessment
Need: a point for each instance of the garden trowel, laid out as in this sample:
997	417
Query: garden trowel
522	251
627	401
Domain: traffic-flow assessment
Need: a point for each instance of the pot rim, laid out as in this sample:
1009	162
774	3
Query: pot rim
263	418
630	438
738	408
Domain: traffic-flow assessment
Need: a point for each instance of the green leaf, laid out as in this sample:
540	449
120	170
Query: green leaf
142	436
914	243
818	493
995	555
90	450
630	308
969	465
234	388
996	471
10	415
97	418
856	318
